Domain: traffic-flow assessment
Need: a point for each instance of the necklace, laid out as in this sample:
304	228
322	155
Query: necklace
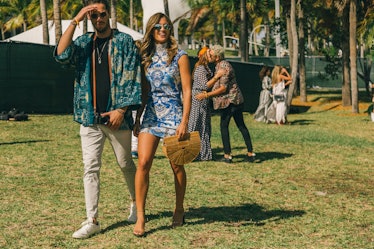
100	54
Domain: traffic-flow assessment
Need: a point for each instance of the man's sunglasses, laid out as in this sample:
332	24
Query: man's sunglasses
96	15
159	26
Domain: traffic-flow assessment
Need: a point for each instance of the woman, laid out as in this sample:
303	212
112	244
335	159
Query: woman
228	98
280	79
265	95
167	71
200	109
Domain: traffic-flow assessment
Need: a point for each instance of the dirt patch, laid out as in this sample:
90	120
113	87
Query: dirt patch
327	104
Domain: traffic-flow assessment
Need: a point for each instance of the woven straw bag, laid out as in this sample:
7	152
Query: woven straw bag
183	151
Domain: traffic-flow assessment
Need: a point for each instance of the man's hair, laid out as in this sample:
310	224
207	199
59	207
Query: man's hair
219	51
105	2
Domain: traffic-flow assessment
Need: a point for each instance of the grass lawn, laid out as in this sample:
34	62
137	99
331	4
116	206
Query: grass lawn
314	187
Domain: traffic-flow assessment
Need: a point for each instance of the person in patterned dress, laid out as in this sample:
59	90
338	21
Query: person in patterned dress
200	109
200	116
168	77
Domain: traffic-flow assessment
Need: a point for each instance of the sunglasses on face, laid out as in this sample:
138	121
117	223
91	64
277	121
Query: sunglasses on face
96	15
159	26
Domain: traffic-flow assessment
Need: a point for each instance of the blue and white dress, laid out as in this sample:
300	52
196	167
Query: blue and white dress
164	109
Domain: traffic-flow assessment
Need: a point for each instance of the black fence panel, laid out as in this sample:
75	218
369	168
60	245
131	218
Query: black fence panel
248	80
32	81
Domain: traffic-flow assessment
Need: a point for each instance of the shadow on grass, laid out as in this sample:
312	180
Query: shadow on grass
244	215
260	156
25	142
302	122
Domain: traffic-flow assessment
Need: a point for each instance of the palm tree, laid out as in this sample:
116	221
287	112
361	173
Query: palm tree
43	12
303	94
295	51
353	53
57	19
16	13
166	8
243	31
113	4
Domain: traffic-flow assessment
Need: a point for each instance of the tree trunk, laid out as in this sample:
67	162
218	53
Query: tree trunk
353	53
43	13
289	39
166	7
57	19
131	14
243	32
113	14
302	84
346	86
294	65
267	39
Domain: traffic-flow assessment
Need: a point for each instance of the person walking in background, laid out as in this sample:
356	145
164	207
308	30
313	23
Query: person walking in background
167	70
228	99
265	95
280	80
106	89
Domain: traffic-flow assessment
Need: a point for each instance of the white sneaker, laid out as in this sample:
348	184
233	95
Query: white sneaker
132	217
88	228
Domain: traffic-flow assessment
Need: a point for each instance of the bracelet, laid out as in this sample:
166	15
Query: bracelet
206	95
75	22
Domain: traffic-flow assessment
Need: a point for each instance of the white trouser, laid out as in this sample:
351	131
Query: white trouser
93	140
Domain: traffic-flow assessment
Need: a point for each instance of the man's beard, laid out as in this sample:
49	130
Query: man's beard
102	30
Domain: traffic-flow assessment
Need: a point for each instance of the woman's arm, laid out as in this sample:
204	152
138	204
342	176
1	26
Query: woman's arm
284	75
184	68
216	77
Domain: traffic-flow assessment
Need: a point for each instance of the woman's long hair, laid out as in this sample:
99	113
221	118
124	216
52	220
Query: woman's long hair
275	74
263	72
203	59
148	46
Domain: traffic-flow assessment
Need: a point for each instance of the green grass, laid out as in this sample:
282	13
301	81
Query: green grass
313	189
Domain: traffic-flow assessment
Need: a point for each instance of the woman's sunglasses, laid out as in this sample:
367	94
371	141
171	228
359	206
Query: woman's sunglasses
96	15
159	26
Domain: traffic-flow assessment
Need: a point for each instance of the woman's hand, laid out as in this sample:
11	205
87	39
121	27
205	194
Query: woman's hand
220	73
181	130
201	96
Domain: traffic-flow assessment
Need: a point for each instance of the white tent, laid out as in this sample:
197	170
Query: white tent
35	35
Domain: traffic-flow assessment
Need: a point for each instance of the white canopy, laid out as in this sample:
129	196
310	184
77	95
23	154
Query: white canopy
35	35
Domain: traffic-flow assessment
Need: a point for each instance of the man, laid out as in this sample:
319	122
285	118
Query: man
106	90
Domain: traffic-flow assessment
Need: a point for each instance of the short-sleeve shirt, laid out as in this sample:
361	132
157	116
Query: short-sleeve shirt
233	94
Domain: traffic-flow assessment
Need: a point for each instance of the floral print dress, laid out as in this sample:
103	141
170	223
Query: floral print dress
163	112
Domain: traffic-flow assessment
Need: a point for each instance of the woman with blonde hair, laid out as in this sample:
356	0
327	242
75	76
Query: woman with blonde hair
280	79
167	72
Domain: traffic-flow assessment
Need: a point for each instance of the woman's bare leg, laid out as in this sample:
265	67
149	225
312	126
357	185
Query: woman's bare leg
147	145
